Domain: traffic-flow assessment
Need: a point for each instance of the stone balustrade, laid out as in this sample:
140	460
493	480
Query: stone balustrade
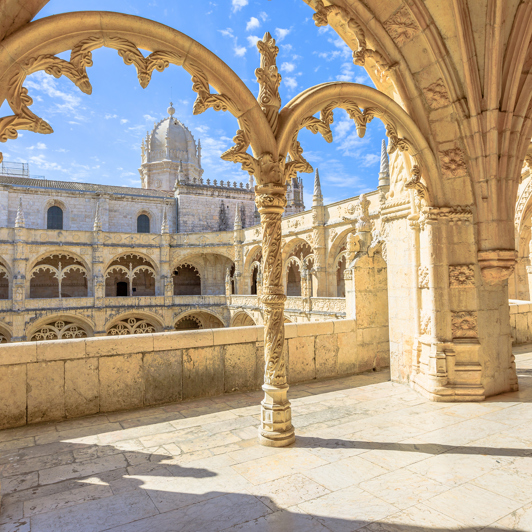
521	321
53	380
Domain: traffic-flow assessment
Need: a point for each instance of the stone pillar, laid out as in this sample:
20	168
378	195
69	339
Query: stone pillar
366	292
20	262
319	286
98	273
238	238
276	428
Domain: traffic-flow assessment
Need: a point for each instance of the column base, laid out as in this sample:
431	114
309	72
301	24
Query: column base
276	428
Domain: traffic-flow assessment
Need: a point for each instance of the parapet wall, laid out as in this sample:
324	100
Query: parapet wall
521	321
54	380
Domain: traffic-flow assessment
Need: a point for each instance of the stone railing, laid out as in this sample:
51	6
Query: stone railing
6	304
64	302
54	380
244	301
200	300
521	321
328	304
134	301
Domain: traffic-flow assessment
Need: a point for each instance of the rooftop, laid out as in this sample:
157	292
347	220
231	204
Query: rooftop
370	455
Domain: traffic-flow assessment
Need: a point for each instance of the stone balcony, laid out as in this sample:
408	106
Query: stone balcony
370	455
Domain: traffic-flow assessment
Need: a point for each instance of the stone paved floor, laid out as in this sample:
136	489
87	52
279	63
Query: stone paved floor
370	456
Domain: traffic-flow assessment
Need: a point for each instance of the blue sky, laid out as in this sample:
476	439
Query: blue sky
97	138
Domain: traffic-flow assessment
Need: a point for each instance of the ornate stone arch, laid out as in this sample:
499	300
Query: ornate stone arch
5	279
56	202
198	312
6	333
363	104
60	251
242	319
60	327
292	245
251	257
134	323
136	253
34	47
336	245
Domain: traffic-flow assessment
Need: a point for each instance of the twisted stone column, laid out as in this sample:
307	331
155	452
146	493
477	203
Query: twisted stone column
276	428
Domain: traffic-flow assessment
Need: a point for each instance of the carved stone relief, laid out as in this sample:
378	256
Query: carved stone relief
401	26
453	163
464	324
436	94
423	274
461	275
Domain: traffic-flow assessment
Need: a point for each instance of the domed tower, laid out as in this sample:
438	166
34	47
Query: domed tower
169	147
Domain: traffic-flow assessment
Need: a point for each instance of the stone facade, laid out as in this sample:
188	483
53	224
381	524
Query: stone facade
168	280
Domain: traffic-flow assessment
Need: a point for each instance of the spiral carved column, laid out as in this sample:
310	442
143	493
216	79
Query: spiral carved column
276	428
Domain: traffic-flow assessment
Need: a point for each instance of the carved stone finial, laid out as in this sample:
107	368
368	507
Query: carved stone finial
269	80
19	220
97	218
238	219
384	174
364	222
317	198
164	225
171	110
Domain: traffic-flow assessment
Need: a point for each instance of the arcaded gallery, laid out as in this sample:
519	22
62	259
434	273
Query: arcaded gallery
266	266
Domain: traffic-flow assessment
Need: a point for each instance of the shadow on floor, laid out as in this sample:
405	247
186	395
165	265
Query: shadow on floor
309	442
150	494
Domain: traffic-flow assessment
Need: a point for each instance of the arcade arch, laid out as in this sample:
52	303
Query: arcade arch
58	274
130	274
194	319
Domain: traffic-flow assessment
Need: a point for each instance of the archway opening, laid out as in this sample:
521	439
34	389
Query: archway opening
187	281
58	275
130	275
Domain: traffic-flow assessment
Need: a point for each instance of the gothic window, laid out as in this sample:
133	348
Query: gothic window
143	224
54	218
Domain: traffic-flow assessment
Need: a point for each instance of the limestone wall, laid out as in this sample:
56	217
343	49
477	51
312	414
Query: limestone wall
521	321
49	381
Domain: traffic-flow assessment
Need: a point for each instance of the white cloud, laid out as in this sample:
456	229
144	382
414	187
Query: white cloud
109	115
239	4
124	120
62	150
281	33
370	159
70	104
288	67
252	40
342	127
38	146
40	162
252	24
239	51
263	16
290	83
227	32
347	72
149	118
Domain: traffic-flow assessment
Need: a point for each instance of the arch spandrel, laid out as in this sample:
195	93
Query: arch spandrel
23	52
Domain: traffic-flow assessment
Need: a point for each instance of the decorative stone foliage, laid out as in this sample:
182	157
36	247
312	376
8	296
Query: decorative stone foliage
453	162
436	94
461	275
131	326
464	324
401	26
59	330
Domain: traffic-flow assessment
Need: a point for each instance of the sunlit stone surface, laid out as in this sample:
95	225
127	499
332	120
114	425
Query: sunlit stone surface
370	455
